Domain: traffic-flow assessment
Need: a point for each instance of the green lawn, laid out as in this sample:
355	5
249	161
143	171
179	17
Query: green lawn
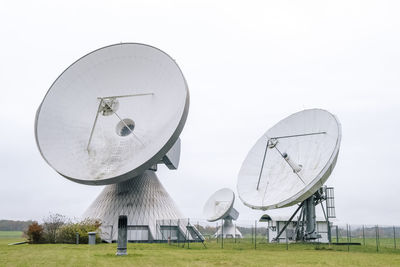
383	243
234	254
10	234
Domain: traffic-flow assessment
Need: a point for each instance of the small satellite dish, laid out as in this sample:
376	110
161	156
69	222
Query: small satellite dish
291	161
112	114
220	206
289	164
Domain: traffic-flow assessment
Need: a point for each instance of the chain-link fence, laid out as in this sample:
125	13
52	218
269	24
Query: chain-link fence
246	234
371	237
231	234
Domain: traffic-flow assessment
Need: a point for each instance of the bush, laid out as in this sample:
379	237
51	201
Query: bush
67	233
58	229
35	233
51	226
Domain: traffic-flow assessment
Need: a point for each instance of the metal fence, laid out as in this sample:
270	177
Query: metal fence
344	237
248	234
376	237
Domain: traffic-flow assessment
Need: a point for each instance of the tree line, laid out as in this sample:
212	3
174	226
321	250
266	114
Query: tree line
10	225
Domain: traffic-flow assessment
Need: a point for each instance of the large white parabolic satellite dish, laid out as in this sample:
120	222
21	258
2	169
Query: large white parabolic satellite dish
112	114
291	161
109	119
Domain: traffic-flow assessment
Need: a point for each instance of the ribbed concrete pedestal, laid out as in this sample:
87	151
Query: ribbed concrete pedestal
229	230
143	199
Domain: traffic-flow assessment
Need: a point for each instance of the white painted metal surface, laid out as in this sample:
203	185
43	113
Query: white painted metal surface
112	114
301	153
219	205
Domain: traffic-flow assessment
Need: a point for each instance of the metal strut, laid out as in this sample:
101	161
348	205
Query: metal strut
287	223
297	135
262	165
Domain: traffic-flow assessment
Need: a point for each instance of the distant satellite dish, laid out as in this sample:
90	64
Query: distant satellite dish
112	114
289	164
220	206
291	161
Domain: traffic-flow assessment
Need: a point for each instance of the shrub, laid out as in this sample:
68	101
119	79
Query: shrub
51	226
67	233
35	233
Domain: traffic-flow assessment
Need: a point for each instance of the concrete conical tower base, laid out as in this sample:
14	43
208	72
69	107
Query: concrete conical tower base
143	199
229	230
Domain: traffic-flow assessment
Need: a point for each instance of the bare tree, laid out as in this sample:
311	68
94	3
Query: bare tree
51	225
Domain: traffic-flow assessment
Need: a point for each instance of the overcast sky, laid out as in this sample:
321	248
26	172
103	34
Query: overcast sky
248	64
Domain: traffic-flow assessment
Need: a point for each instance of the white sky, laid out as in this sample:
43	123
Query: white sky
248	65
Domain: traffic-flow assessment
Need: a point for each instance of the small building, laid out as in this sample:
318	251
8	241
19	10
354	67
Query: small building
276	223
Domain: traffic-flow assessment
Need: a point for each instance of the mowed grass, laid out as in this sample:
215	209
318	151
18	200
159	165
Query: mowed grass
10	234
382	242
234	254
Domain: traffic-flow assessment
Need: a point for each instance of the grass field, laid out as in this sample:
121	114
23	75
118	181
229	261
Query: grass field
10	234
372	242
234	254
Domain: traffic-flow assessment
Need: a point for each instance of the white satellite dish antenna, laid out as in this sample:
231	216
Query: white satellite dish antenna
109	119
112	114
220	207
290	163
